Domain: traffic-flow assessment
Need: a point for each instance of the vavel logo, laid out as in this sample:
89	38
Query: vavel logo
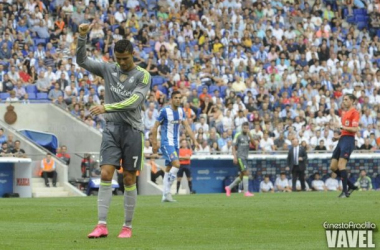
350	235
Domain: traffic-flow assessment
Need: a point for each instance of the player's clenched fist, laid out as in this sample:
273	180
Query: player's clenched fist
84	28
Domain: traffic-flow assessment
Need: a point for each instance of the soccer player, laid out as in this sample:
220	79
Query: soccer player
126	86
170	117
240	152
346	144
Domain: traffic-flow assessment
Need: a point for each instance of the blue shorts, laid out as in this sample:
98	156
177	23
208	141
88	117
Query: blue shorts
170	154
345	147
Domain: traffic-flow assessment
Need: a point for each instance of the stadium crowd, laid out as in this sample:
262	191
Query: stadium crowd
283	66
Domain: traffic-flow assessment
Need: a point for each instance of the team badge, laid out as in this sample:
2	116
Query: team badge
123	77
347	123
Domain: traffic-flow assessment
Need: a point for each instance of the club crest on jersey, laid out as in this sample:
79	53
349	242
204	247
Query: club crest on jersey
123	77
132	79
347	123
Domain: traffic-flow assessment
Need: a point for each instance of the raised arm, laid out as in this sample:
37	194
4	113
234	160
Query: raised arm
83	61
154	137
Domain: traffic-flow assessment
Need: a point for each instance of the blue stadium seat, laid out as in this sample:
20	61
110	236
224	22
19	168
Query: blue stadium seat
163	90
345	12
32	96
351	19
115	26
223	91
193	86
148	50
31	89
42	96
362	25
213	88
360	18
4	96
158	80
40	40
200	88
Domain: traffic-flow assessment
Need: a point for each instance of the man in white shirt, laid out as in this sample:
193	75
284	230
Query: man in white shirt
256	133
266	143
317	184
282	183
277	32
266	185
332	184
120	15
202	124
240	120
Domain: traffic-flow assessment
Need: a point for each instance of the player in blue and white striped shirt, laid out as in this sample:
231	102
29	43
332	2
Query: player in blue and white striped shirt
170	118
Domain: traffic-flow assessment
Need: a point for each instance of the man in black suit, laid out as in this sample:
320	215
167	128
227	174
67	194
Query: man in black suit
297	158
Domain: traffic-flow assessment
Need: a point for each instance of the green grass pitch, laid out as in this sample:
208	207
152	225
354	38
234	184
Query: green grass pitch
266	221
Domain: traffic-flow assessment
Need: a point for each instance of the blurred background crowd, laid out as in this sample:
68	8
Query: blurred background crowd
283	66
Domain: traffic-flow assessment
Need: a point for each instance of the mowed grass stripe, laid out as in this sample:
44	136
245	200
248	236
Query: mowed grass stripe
266	221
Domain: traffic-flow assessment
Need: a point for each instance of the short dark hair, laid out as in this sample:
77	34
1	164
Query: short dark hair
245	124
351	96
175	93
122	46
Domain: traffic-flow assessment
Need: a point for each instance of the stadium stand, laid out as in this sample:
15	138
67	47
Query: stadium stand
290	62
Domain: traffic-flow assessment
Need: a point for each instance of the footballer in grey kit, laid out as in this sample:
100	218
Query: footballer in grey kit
240	151
126	86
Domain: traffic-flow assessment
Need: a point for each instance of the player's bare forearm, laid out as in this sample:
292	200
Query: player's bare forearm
154	137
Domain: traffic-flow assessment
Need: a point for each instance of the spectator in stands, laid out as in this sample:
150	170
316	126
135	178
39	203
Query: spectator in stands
3	138
48	168
321	146
76	111
266	143
317	184
92	93
17	151
20	90
61	103
12	98
5	150
63	155
8	84
266	185
55	93
364	182
332	184
10	142
282	183
43	83
367	145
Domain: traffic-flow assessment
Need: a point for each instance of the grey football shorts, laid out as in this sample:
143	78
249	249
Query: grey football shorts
122	142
